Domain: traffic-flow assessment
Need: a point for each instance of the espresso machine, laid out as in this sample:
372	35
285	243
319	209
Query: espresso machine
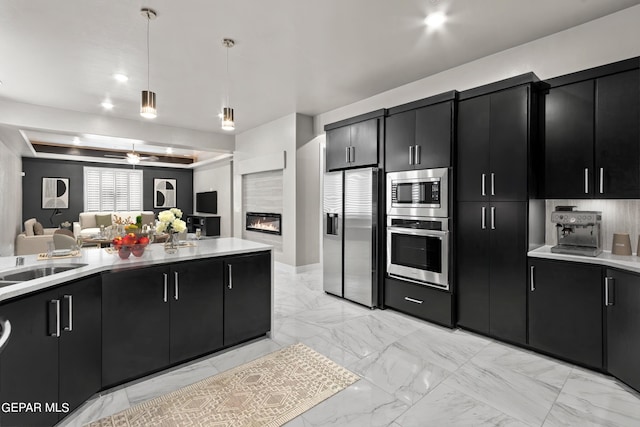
577	232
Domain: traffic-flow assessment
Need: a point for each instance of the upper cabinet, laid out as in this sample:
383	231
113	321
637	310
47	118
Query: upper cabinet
493	146
592	134
354	142
420	135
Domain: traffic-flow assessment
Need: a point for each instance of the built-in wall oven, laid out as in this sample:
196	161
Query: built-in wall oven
418	227
418	250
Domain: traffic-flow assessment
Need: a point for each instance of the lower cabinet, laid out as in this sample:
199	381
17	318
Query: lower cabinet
247	297
157	316
52	358
417	300
623	326
566	310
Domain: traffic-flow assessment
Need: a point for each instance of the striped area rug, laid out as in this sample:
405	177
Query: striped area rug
267	392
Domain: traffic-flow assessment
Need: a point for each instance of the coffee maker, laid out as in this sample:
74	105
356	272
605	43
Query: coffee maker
577	232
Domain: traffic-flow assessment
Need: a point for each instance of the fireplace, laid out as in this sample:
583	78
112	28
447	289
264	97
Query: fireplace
264	222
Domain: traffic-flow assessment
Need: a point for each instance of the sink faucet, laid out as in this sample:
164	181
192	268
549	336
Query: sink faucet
19	261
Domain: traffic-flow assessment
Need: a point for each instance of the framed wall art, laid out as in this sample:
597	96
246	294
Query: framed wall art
55	193
164	193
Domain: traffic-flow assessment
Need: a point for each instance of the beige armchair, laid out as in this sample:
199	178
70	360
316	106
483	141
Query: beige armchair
28	242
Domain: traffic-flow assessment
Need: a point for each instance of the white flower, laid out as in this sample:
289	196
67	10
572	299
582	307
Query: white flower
179	225
161	227
177	212
166	217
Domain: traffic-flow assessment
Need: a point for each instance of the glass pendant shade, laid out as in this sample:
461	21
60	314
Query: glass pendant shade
227	119
148	105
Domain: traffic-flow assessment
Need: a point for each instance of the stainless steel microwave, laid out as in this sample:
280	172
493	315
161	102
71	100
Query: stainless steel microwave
423	192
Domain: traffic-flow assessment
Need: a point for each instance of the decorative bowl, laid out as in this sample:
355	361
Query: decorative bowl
124	251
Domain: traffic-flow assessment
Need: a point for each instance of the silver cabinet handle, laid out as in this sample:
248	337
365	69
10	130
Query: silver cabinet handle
586	180
482	184
411	158
416	301
608	297
166	279
69	299
493	217
6	333
230	285
484	218
347	154
493	184
532	277
417	152
175	286
601	180
352	154
56	303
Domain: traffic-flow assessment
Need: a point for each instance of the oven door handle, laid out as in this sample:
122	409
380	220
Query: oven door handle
418	232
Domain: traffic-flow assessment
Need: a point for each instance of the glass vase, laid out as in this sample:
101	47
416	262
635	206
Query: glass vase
171	244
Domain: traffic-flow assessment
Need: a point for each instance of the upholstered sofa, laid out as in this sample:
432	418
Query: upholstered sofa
28	242
88	223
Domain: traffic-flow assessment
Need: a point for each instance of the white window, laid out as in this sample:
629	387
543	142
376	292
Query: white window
108	189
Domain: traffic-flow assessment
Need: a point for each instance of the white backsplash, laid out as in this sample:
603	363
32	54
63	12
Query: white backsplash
618	216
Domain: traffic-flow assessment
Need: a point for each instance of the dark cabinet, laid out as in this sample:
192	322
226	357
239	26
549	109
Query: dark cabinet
491	241
565	310
420	138
209	225
592	138
424	302
158	316
247	297
622	298
353	145
52	358
493	146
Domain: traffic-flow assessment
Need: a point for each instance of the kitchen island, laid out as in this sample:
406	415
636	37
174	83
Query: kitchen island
111	321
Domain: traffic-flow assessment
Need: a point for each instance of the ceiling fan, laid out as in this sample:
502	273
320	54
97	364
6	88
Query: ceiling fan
132	157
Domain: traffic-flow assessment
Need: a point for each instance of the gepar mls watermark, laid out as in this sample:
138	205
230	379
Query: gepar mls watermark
33	407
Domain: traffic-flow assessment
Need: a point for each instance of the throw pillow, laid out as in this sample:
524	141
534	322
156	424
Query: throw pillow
28	226
38	229
103	220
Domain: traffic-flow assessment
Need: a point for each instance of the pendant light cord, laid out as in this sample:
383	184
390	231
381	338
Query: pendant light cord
228	80
148	55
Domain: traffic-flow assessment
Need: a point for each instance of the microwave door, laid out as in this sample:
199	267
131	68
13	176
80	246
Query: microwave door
332	236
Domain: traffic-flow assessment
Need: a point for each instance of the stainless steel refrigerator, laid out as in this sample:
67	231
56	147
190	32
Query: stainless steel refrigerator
350	217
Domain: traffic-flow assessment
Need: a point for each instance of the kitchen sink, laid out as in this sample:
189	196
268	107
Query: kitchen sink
33	272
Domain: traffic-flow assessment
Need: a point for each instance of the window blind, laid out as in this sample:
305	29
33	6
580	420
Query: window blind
109	189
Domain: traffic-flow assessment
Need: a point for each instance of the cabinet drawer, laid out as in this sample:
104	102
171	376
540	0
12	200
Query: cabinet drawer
420	301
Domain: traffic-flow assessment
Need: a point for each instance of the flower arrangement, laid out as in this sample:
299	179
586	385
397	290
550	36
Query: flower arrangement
169	221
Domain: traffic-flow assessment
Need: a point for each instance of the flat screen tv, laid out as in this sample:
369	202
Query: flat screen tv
207	202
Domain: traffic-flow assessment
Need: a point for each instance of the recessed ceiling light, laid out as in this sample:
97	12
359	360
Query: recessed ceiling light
169	150
435	20
120	77
76	140
107	105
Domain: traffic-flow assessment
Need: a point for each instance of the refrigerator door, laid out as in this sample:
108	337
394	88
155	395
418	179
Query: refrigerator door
332	197
360	227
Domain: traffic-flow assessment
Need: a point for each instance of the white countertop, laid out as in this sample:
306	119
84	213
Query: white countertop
623	262
99	260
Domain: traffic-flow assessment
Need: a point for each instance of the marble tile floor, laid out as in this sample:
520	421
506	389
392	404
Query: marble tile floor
413	373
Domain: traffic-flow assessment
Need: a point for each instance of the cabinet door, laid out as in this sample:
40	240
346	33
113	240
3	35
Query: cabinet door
336	152
508	152
247	297
364	140
433	136
617	151
135	333
568	142
472	266
565	310
472	167
29	362
400	133
80	341
623	327
508	268
196	308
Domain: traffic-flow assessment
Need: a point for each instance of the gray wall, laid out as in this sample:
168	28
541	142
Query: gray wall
36	169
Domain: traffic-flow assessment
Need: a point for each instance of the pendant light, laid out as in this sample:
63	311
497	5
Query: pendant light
228	122
148	105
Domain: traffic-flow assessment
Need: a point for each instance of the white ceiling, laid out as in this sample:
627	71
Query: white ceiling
304	56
